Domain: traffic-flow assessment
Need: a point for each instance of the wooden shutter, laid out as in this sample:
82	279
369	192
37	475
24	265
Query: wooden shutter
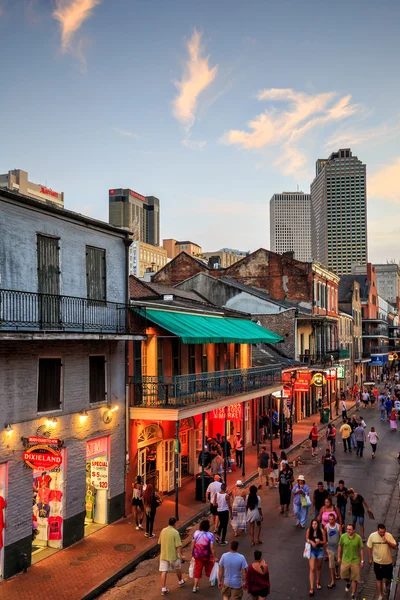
97	379
48	265
96	273
49	386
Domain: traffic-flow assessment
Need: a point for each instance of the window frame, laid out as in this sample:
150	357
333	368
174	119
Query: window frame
105	399
61	401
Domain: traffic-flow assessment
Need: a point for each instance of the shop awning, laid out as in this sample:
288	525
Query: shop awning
208	329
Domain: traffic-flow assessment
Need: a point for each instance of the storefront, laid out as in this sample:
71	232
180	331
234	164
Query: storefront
96	496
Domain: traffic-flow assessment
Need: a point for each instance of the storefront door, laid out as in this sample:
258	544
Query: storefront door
141	469
167	451
96	498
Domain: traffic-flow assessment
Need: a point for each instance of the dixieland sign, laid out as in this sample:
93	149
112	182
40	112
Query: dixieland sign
42	458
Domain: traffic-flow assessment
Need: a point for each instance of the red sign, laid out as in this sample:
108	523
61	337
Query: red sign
45	190
301	386
330	374
42	458
234	412
136	195
96	447
33	439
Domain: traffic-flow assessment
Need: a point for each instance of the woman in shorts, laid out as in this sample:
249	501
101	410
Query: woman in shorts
137	502
316	537
257	578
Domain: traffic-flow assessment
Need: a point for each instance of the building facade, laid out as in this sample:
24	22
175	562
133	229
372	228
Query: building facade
144	258
388	282
290	224
63	331
174	247
17	181
139	214
350	304
222	258
339	212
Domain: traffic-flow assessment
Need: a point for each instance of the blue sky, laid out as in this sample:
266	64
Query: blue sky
210	105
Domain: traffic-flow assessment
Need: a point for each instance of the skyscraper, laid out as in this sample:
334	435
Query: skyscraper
339	212
140	214
290	224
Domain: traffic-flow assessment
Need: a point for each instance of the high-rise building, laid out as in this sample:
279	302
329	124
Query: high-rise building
17	181
388	282
146	258
290	224
140	214
339	212
174	247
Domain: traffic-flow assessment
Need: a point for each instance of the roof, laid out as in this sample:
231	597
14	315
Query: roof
263	295
186	242
264	355
161	290
361	279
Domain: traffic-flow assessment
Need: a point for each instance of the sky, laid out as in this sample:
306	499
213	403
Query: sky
211	105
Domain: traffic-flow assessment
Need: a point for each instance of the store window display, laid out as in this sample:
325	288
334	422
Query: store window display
47	508
96	492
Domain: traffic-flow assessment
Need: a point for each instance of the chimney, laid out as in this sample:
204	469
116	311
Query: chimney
289	254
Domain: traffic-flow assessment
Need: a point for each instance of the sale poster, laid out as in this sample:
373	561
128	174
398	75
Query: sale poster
99	474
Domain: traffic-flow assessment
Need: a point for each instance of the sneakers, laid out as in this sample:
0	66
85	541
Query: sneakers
137	527
195	590
223	543
347	588
140	526
151	536
164	592
146	535
182	583
353	597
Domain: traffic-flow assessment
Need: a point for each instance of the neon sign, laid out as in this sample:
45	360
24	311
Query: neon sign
136	195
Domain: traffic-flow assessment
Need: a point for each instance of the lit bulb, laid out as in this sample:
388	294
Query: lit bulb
8	428
83	416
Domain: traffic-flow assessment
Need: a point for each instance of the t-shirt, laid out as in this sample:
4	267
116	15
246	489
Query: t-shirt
357	506
43	510
397	404
212	489
55	496
351	548
169	541
222	504
263	460
329	463
233	563
359	434
320	497
297	497
333	537
55	524
341	496
373	437
202	544
381	552
345	430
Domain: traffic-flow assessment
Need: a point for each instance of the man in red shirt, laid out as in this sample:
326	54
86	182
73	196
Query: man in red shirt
314	434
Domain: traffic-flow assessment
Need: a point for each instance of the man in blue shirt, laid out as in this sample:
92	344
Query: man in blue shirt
232	573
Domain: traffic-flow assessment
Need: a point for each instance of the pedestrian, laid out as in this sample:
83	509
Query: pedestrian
211	492
365	398
257	580
274	471
224	511
397	404
238	446
360	438
333	532
329	509
285	488
226	452
263	466
203	552
319	497
316	537
283	460
151	501
354	422
314	434
301	497
231	573
388	406
341	499
328	434
329	461
357	503
344	409
381	406
350	555
254	514
393	420
345	431
137	502
379	546
217	463
170	555
239	509
373	440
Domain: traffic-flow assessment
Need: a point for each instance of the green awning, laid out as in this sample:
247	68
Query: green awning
208	329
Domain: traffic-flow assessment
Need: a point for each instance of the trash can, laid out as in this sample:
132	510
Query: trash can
207	481
285	440
327	415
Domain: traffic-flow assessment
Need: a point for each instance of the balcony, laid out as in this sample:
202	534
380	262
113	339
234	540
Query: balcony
375	328
326	358
29	312
180	391
368	350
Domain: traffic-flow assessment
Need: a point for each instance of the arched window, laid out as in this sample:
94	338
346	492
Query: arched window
150	435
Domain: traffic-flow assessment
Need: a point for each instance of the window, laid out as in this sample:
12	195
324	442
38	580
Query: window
49	385
192	358
217	357
95	273
137	361
97	379
204	367
237	356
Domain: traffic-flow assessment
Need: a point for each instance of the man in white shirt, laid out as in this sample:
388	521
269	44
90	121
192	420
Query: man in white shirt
211	492
238	445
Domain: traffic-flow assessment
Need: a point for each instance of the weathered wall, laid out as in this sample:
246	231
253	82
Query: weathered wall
284	325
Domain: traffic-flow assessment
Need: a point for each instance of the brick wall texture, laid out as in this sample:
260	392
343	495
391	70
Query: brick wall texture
284	325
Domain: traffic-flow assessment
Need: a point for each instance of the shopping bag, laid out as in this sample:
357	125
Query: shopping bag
308	500
214	575
307	551
191	569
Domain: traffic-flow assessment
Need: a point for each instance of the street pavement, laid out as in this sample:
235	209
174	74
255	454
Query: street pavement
283	543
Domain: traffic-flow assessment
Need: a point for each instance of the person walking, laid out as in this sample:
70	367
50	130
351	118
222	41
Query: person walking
217	463
329	461
274	471
170	555
239	509
365	398
344	408
137	502
254	514
263	466
226	452
329	509
360	437
319	497
331	437
285	488
224	511
231	573
345	431
381	406
212	489
379	546
350	557
238	446
314	434
301	492
341	499
393	420
333	532
388	406
373	440
257	580
354	422
283	460
203	552
316	537
151	501
357	503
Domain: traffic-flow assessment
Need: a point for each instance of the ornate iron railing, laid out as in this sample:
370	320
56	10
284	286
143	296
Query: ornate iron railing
27	311
183	390
325	358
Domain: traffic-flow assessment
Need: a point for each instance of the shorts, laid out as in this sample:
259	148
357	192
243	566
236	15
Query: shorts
234	593
329	476
350	571
138	502
383	571
317	553
359	518
262	471
199	563
169	565
213	510
263	593
333	557
314	443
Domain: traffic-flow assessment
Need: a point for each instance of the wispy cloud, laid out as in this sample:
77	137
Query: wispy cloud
196	78
128	133
72	14
286	127
384	183
379	134
193	145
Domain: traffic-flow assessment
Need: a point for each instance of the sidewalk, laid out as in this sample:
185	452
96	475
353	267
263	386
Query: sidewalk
92	565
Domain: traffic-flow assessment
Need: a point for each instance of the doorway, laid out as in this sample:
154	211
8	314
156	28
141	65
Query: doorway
3	504
96	494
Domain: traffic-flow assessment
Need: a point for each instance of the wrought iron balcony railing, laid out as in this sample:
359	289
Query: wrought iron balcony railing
185	390
27	311
368	350
326	358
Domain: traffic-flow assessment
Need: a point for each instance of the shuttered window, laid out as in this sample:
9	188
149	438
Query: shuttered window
49	386
97	379
96	273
